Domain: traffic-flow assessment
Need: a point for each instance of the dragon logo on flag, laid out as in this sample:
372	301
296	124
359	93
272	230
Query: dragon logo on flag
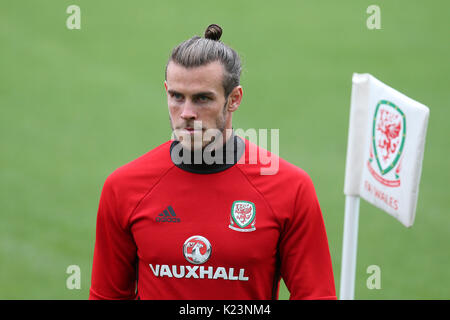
388	139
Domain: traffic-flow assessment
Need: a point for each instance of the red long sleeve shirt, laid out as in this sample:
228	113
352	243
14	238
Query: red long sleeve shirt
165	232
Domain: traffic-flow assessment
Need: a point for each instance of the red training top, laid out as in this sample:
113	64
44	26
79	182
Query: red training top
165	231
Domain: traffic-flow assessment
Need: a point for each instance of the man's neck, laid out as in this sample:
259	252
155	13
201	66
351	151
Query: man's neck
215	157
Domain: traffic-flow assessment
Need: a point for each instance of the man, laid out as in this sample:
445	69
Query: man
172	225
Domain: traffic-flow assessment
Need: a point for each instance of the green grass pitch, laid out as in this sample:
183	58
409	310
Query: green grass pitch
76	104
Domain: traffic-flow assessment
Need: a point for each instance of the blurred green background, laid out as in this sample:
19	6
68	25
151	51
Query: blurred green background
76	104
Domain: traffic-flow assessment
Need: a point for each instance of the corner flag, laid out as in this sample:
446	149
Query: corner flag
385	148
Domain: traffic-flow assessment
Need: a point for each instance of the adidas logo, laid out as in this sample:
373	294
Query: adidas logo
168	215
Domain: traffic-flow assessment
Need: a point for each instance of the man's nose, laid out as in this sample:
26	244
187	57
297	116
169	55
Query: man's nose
189	112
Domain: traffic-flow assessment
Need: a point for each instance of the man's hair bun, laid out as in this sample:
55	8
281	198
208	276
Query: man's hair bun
213	32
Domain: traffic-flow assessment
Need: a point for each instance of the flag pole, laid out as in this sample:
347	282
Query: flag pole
349	248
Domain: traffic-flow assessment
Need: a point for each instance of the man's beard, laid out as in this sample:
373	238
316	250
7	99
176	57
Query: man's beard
215	134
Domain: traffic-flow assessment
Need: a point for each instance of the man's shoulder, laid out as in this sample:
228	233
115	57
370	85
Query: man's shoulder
145	168
260	163
280	182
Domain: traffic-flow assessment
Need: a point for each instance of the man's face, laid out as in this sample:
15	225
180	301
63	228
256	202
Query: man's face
197	103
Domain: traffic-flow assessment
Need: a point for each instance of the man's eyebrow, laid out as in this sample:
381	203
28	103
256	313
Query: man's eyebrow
173	91
205	93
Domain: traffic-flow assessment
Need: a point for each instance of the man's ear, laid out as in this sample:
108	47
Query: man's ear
235	98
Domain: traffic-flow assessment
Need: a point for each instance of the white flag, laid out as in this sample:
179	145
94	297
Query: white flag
385	147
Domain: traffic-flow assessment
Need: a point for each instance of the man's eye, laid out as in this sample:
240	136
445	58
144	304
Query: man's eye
177	96
203	98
